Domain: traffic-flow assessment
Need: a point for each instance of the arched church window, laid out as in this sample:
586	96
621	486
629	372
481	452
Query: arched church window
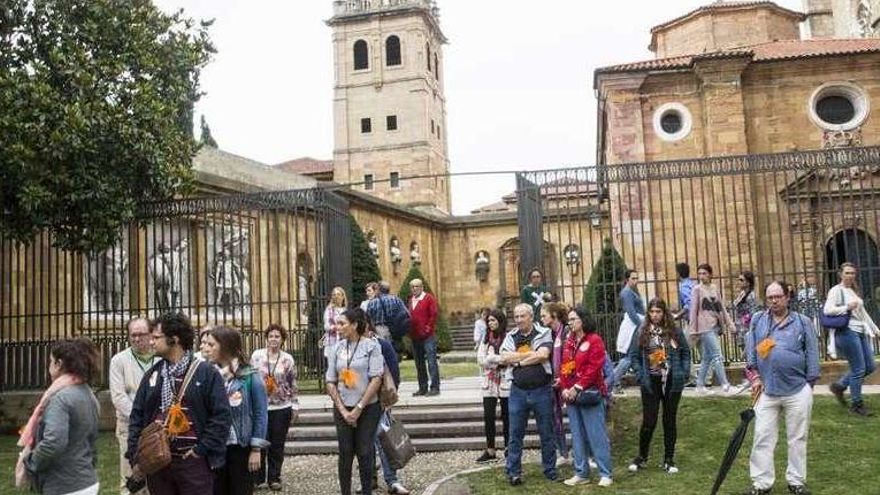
428	55
392	51
436	67
361	55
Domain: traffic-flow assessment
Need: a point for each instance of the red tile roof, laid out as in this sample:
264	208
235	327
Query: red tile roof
307	166
727	5
764	52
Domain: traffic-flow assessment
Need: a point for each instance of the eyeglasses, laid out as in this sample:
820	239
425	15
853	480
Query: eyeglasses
775	298
140	335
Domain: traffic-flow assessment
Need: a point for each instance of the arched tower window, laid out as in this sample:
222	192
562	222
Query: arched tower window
428	55
392	51
436	67
361	55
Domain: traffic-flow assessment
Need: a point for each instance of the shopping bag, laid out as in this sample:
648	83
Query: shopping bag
395	441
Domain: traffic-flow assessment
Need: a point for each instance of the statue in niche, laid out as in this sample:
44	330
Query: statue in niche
167	274
482	265
396	254
373	242
572	254
108	274
415	254
231	279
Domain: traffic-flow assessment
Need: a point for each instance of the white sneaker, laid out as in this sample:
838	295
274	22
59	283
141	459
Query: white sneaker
704	391
398	489
726	388
562	461
592	463
605	481
576	480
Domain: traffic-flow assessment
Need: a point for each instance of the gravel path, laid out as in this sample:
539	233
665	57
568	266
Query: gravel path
316	474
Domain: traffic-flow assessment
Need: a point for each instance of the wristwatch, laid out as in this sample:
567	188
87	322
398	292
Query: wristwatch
359	406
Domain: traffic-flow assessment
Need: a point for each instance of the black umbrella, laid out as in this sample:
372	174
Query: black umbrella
739	435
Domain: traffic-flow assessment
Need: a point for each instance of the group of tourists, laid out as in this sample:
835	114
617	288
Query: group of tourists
560	363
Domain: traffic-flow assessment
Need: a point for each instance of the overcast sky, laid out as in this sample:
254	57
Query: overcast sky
518	77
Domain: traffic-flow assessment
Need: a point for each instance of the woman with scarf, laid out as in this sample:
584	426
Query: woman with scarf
553	316
278	372
58	442
338	303
661	358
583	389
246	393
354	375
496	387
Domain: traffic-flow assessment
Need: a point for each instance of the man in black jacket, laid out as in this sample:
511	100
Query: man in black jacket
202	446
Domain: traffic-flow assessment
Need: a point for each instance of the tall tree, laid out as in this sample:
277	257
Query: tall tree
97	99
602	293
364	268
206	139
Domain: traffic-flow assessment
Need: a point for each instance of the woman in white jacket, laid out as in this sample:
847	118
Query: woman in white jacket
496	385
854	341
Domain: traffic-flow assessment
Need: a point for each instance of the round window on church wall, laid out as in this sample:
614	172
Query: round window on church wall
672	122
838	106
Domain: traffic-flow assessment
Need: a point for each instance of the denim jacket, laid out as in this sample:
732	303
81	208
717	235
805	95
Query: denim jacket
679	361
249	405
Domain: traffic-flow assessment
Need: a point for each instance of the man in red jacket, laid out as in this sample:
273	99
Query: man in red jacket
423	320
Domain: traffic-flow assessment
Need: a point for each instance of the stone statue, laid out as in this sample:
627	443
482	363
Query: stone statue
373	243
572	255
415	254
482	265
396	255
108	272
167	274
231	278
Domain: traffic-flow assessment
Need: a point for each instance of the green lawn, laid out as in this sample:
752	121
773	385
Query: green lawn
108	463
842	454
447	370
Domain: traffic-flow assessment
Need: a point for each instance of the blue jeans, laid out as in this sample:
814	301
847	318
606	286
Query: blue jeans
589	437
388	473
426	350
520	404
857	349
622	367
711	359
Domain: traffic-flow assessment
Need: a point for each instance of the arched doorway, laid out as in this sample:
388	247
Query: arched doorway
856	246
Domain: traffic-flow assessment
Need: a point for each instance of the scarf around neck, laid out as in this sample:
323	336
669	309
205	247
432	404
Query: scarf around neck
170	372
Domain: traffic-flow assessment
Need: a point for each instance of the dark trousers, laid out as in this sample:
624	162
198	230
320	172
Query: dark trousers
650	410
189	476
357	441
490	405
272	458
234	478
425	355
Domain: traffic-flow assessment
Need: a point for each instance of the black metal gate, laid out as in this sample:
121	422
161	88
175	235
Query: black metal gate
245	261
791	216
530	221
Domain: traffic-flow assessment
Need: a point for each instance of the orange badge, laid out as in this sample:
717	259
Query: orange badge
567	368
765	346
177	422
348	377
657	358
523	348
271	384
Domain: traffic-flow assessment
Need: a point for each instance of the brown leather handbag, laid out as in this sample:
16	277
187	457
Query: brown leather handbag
154	444
388	392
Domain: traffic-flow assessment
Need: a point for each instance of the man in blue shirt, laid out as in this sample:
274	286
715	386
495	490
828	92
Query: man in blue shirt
783	365
634	313
685	288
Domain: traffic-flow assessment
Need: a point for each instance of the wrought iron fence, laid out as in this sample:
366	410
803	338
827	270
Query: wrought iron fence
789	216
245	261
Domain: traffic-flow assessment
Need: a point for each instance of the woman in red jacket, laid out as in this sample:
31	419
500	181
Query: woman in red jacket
583	388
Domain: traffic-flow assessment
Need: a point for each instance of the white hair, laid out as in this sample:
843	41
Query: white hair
525	307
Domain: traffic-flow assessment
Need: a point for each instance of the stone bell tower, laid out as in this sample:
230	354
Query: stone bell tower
389	103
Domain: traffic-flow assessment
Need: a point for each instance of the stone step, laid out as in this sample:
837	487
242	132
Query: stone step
416	430
421	444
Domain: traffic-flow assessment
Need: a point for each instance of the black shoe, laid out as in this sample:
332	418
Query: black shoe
432	393
515	480
757	491
860	410
553	477
420	393
798	490
838	389
486	457
690	384
670	467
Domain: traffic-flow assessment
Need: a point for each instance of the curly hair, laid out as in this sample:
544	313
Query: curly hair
78	357
274	327
176	325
